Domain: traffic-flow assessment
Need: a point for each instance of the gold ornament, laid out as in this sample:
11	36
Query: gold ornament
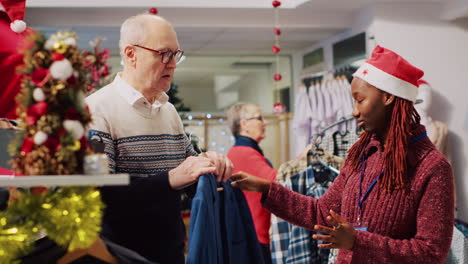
60	47
75	147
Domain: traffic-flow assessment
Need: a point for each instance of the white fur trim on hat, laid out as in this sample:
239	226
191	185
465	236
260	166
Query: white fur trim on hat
387	82
18	26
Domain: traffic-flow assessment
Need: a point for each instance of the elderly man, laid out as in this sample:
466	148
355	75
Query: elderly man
144	137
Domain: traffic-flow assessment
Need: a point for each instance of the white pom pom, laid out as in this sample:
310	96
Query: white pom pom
70	41
38	94
61	70
49	44
74	127
18	26
40	137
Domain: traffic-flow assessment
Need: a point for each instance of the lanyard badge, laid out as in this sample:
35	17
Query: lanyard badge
360	225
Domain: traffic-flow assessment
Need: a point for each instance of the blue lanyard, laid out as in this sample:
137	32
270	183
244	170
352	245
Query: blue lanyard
371	186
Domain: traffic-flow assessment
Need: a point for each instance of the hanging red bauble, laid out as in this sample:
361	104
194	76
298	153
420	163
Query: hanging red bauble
277	31
277	77
279	108
275	49
276	3
153	11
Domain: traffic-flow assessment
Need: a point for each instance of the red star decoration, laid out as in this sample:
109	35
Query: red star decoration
365	72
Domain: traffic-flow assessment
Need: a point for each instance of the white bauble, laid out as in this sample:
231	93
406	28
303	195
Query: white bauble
61	69
38	95
49	44
74	127
40	137
70	41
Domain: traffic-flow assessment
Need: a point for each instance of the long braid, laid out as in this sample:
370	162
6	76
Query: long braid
395	154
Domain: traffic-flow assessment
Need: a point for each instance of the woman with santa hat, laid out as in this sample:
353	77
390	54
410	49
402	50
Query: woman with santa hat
393	201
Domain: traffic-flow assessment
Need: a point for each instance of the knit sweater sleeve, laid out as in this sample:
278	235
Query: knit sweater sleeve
434	226
302	210
100	128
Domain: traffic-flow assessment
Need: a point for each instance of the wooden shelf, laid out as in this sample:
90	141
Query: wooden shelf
64	180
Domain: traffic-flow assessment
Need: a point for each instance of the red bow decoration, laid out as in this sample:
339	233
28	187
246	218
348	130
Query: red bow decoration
276	4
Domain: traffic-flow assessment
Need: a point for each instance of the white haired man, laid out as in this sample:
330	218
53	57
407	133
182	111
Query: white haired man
144	137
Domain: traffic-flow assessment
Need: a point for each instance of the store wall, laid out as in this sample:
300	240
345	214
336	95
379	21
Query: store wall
440	50
195	96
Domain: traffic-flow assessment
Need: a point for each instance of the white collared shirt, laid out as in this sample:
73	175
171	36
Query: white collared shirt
136	99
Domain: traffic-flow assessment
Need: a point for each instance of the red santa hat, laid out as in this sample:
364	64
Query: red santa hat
15	11
391	73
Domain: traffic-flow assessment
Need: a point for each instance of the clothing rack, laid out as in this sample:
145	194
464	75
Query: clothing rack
322	132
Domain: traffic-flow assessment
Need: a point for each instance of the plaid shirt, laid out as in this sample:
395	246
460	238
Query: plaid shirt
293	244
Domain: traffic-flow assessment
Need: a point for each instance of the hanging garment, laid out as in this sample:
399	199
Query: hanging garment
221	228
302	119
459	247
293	244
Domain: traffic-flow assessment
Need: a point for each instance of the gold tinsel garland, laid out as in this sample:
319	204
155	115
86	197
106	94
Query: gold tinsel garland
69	216
53	116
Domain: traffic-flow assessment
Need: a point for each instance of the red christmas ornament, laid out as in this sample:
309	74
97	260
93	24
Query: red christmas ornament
277	31
72	114
153	11
56	56
39	76
30	120
38	109
84	142
277	77
39	190
27	146
275	49
276	3
61	132
72	80
89	88
279	108
52	144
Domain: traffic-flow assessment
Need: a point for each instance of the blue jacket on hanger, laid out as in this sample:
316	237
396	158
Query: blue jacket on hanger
221	227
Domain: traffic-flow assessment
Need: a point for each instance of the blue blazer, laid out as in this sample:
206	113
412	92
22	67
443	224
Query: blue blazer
221	227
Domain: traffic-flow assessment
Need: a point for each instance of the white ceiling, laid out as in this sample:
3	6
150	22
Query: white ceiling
216	27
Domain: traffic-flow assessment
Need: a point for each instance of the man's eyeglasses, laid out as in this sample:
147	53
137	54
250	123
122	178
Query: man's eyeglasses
259	118
166	56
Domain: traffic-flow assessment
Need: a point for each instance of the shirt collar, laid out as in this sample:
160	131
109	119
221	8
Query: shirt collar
133	97
248	142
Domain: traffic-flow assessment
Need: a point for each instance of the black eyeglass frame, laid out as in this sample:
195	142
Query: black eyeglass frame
166	56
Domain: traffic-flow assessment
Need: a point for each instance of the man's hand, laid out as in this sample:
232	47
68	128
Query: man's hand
188	171
224	166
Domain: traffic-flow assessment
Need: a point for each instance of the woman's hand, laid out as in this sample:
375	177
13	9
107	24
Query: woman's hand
249	182
342	235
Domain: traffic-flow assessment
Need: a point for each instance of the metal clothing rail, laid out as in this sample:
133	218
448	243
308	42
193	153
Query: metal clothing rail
322	132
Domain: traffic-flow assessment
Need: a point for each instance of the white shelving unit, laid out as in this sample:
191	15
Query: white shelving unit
64	180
